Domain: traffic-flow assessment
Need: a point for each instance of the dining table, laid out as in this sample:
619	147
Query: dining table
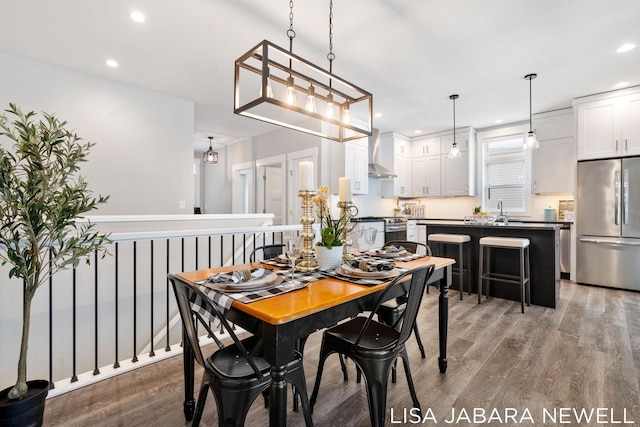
321	300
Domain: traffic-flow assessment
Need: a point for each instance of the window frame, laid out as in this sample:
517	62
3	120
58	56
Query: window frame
524	155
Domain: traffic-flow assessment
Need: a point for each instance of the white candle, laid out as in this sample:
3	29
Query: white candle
306	176
344	187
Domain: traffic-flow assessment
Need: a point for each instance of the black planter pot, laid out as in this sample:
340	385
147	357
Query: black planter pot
27	412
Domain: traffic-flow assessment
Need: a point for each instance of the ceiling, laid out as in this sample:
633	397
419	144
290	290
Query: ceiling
411	54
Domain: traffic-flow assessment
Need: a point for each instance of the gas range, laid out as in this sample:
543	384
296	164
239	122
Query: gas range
395	224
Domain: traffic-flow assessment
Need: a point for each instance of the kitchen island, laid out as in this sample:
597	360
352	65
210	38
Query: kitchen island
544	256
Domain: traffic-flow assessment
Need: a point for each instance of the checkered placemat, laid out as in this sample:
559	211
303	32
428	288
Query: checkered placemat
359	280
410	257
225	299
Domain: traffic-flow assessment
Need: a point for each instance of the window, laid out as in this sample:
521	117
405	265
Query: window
505	175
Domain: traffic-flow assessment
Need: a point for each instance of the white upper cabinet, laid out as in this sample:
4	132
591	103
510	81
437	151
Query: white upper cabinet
429	146
553	163
608	125
458	176
350	159
426	176
399	186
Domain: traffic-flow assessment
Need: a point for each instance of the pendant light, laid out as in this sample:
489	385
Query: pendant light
454	153
210	157
275	85
530	141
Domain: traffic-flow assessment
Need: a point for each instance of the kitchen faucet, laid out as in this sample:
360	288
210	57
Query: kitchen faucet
502	218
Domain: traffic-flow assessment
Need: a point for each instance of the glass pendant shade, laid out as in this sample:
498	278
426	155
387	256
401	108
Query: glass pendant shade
530	141
454	153
331	108
210	156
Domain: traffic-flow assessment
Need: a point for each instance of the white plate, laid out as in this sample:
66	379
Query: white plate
357	273
266	282
390	254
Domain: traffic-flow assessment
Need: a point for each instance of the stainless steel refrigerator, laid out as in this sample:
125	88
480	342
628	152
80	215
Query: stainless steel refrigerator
608	223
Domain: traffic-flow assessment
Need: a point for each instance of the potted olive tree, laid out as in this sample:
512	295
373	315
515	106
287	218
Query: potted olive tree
42	194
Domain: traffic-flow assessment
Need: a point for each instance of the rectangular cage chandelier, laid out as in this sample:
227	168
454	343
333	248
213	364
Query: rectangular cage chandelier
276	86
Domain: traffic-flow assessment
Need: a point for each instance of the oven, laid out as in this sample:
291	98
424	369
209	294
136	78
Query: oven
395	229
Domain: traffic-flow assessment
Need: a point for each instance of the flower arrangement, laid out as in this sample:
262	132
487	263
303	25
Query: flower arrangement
330	229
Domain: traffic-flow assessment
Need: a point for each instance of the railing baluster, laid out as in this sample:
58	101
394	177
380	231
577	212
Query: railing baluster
74	343
96	370
116	363
168	346
135	302
51	384
209	239
151	352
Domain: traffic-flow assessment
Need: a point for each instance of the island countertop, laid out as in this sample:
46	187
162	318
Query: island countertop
510	225
544	246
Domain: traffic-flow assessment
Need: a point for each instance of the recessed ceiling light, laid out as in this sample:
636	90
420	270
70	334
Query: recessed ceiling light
498	121
417	131
111	63
137	16
621	84
378	115
626	47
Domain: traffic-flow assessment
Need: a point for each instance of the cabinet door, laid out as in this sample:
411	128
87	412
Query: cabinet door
419	177
402	183
455	175
552	168
432	187
426	176
356	166
462	139
426	147
361	169
631	129
598	135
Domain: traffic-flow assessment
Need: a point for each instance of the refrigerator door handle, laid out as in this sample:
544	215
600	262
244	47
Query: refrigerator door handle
617	196
625	197
610	242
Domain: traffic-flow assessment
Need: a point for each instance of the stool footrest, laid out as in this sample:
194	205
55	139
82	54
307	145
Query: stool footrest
507	278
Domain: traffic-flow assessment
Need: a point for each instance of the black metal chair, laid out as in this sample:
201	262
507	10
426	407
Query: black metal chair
268	252
374	346
390	312
237	373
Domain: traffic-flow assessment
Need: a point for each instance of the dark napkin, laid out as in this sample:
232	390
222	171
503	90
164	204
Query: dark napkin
371	266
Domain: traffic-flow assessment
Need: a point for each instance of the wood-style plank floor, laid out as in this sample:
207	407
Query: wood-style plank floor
522	368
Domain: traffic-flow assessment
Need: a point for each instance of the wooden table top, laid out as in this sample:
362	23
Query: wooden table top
317	296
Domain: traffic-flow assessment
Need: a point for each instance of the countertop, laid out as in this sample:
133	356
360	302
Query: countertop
511	225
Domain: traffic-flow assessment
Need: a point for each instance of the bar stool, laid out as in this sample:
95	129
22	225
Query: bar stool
459	240
523	279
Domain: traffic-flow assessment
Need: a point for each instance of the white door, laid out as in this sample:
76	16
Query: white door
243	188
271	184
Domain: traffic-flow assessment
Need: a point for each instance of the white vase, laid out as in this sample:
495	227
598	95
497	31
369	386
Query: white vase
328	259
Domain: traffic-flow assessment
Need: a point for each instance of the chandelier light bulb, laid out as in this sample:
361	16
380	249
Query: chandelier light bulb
290	97
331	108
346	114
311	100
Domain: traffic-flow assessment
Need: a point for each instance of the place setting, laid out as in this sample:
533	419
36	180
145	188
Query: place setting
393	252
249	285
365	271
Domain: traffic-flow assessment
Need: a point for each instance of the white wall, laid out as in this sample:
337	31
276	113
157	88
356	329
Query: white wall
143	157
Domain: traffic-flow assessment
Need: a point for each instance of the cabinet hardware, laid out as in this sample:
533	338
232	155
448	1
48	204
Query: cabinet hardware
616	145
626	145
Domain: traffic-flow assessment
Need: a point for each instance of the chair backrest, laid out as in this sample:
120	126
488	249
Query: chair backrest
194	308
409	245
268	251
419	278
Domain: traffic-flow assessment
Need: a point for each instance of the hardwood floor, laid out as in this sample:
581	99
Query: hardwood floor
585	354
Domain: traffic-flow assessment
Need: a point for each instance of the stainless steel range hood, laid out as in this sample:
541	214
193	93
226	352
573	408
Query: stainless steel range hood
376	170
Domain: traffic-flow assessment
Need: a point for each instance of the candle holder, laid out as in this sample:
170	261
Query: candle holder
308	262
348	210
